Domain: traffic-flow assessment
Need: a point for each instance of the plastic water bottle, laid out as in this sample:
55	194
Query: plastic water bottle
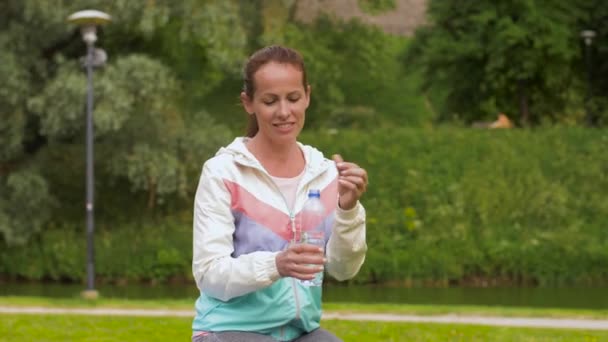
313	229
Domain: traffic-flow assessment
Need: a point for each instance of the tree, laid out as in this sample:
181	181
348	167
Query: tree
595	17
145	137
513	57
346	61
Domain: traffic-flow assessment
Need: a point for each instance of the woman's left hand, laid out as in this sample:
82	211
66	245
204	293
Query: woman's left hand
352	182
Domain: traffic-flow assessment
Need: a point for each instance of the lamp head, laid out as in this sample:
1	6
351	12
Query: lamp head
88	20
588	36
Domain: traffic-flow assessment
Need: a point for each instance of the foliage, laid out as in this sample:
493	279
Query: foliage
473	207
348	61
25	205
376	6
596	19
144	136
445	206
517	57
169	65
170	88
153	252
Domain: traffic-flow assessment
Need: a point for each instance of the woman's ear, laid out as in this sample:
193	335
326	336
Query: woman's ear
308	90
246	103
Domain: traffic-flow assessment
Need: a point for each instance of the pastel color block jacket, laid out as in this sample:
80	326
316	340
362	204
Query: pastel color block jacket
241	222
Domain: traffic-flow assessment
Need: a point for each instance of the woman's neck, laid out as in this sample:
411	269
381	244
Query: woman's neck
284	160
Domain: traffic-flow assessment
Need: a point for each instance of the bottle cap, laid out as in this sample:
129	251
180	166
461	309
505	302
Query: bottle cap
314	193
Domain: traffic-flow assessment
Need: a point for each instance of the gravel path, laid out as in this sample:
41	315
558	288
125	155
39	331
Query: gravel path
564	323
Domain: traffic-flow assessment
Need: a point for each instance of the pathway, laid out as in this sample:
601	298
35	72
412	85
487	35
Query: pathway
565	323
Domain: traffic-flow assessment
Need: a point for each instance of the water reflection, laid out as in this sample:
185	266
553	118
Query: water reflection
584	298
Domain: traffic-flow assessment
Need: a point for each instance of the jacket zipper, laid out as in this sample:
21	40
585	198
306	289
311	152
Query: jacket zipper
292	219
296	297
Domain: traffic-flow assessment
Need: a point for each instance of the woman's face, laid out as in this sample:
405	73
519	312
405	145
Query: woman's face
279	102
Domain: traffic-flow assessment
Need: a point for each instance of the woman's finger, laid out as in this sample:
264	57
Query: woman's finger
301	248
353	184
304	271
310	259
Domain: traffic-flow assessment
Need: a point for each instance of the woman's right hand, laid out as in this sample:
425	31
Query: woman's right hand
301	261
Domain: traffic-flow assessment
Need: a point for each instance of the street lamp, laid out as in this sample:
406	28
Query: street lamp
88	21
587	36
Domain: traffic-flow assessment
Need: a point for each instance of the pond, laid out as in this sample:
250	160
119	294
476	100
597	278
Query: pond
582	298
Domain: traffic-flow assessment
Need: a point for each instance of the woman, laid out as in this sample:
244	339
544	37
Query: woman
246	213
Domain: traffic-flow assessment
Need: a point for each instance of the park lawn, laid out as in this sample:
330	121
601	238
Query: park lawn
103	328
408	309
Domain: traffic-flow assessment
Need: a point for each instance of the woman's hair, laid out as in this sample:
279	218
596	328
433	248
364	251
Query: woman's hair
273	53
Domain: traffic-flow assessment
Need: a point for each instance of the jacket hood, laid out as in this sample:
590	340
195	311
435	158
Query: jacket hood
315	161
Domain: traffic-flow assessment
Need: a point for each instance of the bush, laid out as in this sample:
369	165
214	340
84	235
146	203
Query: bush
150	252
444	205
452	205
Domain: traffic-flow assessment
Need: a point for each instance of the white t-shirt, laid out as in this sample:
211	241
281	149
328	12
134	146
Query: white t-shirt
288	187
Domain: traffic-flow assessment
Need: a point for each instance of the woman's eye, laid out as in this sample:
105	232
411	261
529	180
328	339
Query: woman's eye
268	102
294	99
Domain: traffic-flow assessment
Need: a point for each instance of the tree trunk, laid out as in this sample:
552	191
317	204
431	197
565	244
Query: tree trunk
524	113
151	193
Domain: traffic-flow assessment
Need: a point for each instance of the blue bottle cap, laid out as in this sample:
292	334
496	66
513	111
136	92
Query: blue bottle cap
314	193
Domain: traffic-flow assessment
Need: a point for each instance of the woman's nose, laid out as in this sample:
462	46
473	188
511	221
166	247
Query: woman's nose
284	109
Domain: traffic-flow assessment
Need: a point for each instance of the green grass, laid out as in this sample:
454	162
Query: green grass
333	307
93	328
375	331
69	327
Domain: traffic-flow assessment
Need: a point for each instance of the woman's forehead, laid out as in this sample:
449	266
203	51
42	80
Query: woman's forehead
272	73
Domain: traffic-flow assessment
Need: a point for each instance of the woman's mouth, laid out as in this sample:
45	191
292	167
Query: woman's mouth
284	125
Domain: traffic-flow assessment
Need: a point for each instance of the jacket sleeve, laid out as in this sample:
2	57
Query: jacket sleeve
346	246
215	271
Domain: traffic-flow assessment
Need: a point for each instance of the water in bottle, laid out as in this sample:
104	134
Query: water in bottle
313	229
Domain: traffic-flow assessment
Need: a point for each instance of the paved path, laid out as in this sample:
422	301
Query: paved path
566	323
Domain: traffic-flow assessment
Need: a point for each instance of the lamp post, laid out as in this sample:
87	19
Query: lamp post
587	36
88	20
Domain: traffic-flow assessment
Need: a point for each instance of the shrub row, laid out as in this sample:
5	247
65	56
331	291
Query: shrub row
448	205
445	206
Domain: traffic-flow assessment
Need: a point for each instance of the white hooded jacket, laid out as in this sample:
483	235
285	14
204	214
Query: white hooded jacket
242	221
